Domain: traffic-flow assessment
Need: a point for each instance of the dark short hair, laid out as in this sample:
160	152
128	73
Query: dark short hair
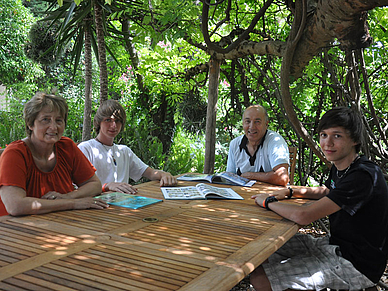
347	118
38	102
107	109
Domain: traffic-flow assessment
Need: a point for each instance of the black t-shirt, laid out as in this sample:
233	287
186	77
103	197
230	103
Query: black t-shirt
360	228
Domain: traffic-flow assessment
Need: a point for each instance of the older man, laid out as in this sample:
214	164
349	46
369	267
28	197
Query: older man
260	154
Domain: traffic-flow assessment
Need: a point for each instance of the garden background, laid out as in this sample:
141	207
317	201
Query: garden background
185	71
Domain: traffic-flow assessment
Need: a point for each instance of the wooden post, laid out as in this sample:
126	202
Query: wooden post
210	144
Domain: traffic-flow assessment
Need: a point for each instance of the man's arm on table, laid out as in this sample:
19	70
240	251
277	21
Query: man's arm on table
278	176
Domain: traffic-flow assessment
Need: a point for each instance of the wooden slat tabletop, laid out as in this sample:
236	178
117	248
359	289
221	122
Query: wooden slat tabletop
194	245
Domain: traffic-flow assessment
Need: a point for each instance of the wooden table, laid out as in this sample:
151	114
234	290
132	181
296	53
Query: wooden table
195	245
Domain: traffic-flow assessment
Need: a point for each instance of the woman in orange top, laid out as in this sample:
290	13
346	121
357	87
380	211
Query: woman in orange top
46	172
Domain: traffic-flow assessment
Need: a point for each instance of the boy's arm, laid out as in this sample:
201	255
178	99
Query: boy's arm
165	178
305	214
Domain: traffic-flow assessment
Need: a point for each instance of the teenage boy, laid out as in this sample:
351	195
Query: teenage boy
116	164
355	197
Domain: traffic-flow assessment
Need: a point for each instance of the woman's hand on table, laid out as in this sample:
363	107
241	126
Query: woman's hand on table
86	203
55	195
80	203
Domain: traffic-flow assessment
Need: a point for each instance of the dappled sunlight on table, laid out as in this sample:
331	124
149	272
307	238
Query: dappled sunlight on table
174	245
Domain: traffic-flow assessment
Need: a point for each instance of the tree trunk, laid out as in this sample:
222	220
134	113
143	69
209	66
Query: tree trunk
297	27
135	62
333	19
86	130
101	52
214	79
326	21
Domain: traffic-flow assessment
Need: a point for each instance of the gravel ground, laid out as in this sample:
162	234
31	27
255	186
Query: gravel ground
243	286
315	230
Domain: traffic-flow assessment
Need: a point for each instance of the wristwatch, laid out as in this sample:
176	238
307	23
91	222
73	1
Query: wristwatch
291	192
268	200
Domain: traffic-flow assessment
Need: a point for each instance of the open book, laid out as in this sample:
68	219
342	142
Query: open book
127	200
227	178
200	191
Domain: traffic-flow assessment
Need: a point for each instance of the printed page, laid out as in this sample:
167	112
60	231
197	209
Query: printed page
237	179
196	177
218	192
183	193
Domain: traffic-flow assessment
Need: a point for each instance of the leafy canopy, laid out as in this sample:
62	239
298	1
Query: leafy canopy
15	23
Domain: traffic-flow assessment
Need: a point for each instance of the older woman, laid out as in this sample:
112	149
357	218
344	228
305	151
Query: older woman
45	171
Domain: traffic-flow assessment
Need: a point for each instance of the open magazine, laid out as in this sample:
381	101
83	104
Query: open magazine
227	178
200	191
127	200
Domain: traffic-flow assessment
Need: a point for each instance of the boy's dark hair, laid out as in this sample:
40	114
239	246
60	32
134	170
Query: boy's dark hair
347	118
107	109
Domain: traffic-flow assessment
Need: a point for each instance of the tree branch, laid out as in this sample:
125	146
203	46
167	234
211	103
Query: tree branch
241	38
295	34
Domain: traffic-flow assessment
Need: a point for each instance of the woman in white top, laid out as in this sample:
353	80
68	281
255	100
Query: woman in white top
116	164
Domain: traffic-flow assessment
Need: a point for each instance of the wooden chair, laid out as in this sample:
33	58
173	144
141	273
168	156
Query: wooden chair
292	151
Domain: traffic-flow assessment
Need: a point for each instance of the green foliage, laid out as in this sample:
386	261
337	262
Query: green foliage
73	95
171	107
58	80
11	127
36	7
15	22
42	37
187	154
11	120
173	20
193	110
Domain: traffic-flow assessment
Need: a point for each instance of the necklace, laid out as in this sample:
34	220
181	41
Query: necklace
347	169
107	151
